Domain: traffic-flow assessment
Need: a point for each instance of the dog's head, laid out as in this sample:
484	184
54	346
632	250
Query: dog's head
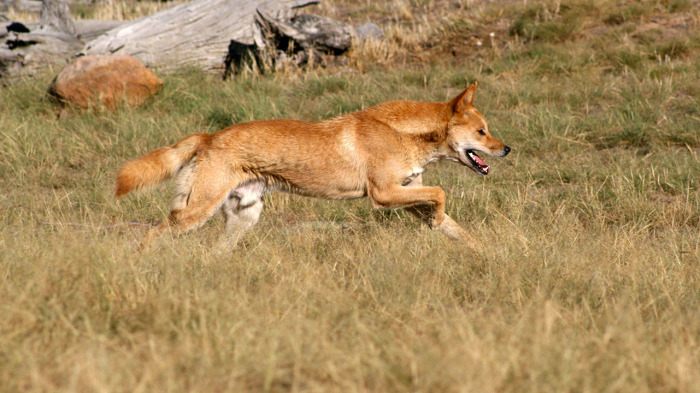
468	133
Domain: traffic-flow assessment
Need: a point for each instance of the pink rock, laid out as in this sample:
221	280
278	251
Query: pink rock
105	80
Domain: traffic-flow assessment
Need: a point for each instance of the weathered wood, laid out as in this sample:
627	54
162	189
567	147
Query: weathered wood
192	34
52	44
214	34
88	30
85	29
310	31
30	53
298	40
55	15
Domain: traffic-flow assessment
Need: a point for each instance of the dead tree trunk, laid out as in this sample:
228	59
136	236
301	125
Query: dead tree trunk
207	34
51	44
213	35
55	15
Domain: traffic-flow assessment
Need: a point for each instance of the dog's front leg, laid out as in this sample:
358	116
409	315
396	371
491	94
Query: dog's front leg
396	196
454	231
448	227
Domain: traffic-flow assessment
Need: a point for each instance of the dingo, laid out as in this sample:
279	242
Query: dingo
378	152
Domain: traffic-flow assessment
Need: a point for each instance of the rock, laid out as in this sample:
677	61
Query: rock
104	80
369	30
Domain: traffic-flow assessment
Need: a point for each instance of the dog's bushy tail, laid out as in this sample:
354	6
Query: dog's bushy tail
158	165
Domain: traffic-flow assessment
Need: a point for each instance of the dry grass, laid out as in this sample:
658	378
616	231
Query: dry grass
101	10
120	9
590	276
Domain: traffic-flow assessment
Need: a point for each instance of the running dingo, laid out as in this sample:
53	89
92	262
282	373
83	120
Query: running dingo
378	152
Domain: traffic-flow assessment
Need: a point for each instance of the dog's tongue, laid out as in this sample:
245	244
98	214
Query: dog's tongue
479	161
482	165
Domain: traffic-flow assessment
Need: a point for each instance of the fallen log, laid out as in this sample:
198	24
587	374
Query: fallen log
194	34
35	52
29	50
217	35
213	35
86	30
55	15
26	54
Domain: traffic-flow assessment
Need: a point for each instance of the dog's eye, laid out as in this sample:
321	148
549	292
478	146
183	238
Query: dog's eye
481	131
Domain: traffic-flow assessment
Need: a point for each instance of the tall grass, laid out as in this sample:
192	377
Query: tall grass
589	279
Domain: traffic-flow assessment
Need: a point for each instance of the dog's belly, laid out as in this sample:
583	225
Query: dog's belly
341	187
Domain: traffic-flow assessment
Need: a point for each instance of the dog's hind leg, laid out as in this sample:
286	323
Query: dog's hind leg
242	211
205	191
183	185
194	215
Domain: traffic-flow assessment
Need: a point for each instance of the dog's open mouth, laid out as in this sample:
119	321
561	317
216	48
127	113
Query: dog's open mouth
476	162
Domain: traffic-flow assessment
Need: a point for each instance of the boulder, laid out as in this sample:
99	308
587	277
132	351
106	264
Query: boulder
105	80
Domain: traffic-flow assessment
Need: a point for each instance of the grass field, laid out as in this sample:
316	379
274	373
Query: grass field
589	280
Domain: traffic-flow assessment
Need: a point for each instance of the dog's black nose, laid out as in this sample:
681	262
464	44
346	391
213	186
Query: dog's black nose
506	150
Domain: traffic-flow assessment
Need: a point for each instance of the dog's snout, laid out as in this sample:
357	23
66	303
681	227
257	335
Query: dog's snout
506	150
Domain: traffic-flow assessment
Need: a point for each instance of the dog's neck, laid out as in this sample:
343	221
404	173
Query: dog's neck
426	120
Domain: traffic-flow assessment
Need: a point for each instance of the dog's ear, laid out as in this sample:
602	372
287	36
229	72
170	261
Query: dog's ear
464	100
